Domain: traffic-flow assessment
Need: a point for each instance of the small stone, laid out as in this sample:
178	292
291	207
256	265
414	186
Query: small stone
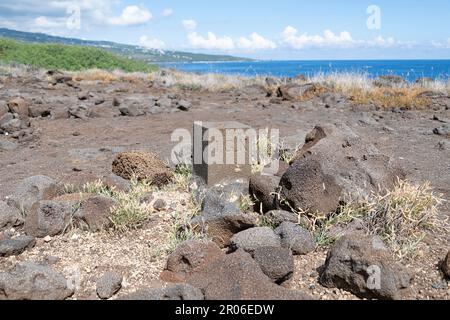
47	239
164	103
48	218
75	237
443	145
446	265
444	130
51	260
277	263
108	285
30	281
6	145
251	239
294	237
189	257
33	189
15	246
159	205
277	217
9	216
95	212
147	199
184	105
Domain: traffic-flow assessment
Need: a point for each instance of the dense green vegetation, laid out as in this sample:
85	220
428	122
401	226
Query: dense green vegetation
66	57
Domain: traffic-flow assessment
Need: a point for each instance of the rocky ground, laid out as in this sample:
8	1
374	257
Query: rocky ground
72	131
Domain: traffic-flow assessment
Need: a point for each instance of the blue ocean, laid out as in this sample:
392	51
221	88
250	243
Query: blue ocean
408	69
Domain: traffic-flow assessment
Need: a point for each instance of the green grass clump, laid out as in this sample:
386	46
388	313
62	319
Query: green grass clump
67	58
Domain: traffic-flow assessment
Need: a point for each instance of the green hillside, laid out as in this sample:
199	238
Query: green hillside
126	50
66	57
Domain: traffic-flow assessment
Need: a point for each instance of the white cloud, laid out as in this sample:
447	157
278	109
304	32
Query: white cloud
328	39
190	24
441	44
382	42
211	42
8	24
167	12
53	8
44	22
225	43
132	15
256	42
151	43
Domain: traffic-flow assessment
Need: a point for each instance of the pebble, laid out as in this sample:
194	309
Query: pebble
75	237
47	239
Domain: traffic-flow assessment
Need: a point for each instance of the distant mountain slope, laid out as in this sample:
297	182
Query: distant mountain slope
137	52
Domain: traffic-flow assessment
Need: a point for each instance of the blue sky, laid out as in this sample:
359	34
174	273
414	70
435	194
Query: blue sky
283	29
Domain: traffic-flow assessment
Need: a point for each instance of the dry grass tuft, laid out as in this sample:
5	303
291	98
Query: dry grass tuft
362	90
401	217
269	151
197	82
387	98
95	75
131	212
105	76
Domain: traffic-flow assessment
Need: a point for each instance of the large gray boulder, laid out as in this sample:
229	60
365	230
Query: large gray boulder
33	189
251	239
9	216
336	163
306	187
189	257
48	218
30	281
364	266
295	238
237	276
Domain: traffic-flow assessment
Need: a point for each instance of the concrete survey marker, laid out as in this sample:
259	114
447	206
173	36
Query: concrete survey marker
221	151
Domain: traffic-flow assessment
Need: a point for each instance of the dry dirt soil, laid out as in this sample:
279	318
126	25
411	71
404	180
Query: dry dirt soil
60	146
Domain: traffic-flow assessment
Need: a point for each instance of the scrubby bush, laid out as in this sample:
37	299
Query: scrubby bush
401	217
65	57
